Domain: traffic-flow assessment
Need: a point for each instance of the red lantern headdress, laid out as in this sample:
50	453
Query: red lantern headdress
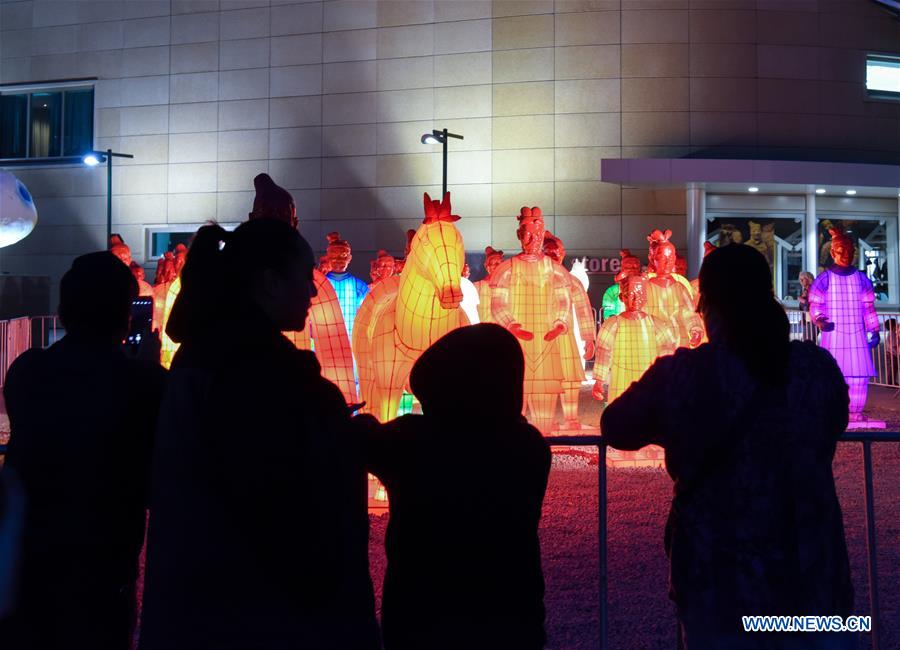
439	210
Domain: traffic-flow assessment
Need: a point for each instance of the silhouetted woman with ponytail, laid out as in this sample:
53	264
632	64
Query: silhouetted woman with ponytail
749	424
258	525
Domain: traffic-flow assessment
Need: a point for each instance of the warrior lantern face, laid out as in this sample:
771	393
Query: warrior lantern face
492	261
664	258
631	265
339	256
842	250
531	233
633	293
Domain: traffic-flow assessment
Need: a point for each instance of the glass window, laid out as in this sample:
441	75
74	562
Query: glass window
46	124
871	255
779	239
79	122
883	76
163	242
14	121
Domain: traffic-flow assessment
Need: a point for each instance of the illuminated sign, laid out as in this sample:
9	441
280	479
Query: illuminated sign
603	265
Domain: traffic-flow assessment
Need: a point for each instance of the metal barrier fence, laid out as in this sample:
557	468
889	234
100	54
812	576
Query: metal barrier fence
866	438
15	338
886	355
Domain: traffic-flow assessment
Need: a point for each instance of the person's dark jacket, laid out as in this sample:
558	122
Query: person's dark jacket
465	484
258	525
82	417
755	526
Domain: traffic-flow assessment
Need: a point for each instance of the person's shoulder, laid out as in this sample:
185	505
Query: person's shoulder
807	357
26	364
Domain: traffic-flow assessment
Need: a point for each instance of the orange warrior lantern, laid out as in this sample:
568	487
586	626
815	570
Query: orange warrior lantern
381	267
629	342
426	306
667	298
530	298
582	320
492	259
350	289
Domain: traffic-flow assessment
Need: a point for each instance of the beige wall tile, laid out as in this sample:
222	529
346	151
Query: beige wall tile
523	132
655	60
354	76
247	53
298	142
517	32
521	7
588	96
194	57
296	50
405	105
467	167
581	163
402	74
296	18
143	120
650	201
295	80
347	204
350	14
238	176
723	60
475	231
405	137
587	198
589	232
726	26
190	177
247	23
446	10
348	171
195	28
721	94
192	147
635	229
588	130
349	108
144	32
723	129
523	165
142	61
463	69
355	45
194	87
475	201
295	111
650	129
655	94
244	84
587	62
349	140
407	169
589	28
523	65
245	114
788	62
412	40
462	101
145	91
154	149
464	36
244	145
192	207
528	98
788	95
405	12
297	173
508	199
655	26
233	206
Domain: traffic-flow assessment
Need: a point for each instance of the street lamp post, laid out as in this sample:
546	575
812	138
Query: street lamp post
440	137
94	158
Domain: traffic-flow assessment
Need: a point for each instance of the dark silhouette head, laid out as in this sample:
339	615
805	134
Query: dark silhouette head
273	201
738	305
473	373
95	298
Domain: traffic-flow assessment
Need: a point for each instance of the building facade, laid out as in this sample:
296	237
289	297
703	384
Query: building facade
331	99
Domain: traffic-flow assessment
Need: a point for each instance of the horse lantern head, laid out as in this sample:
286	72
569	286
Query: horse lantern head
438	253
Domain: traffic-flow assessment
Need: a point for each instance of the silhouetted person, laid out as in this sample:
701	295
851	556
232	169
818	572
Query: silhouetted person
465	483
82	415
749	423
258	525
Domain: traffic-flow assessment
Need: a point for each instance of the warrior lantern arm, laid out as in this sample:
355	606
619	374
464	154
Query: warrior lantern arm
562	299
582	303
606	338
818	291
665	341
869	314
500	299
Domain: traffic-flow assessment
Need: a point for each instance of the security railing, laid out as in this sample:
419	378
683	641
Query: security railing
886	355
866	438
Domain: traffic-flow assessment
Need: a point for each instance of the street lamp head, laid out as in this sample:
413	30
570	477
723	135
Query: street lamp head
92	159
432	138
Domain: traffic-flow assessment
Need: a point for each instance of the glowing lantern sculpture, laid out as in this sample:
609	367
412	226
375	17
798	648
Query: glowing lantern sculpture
582	322
381	267
18	215
381	297
168	346
579	272
611	304
667	298
426	306
350	289
492	259
530	298
842	305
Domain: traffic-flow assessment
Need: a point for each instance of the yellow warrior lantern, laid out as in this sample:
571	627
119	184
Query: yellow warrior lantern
425	307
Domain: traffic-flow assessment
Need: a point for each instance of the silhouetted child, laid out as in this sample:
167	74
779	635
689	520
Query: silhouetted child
465	482
82	417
